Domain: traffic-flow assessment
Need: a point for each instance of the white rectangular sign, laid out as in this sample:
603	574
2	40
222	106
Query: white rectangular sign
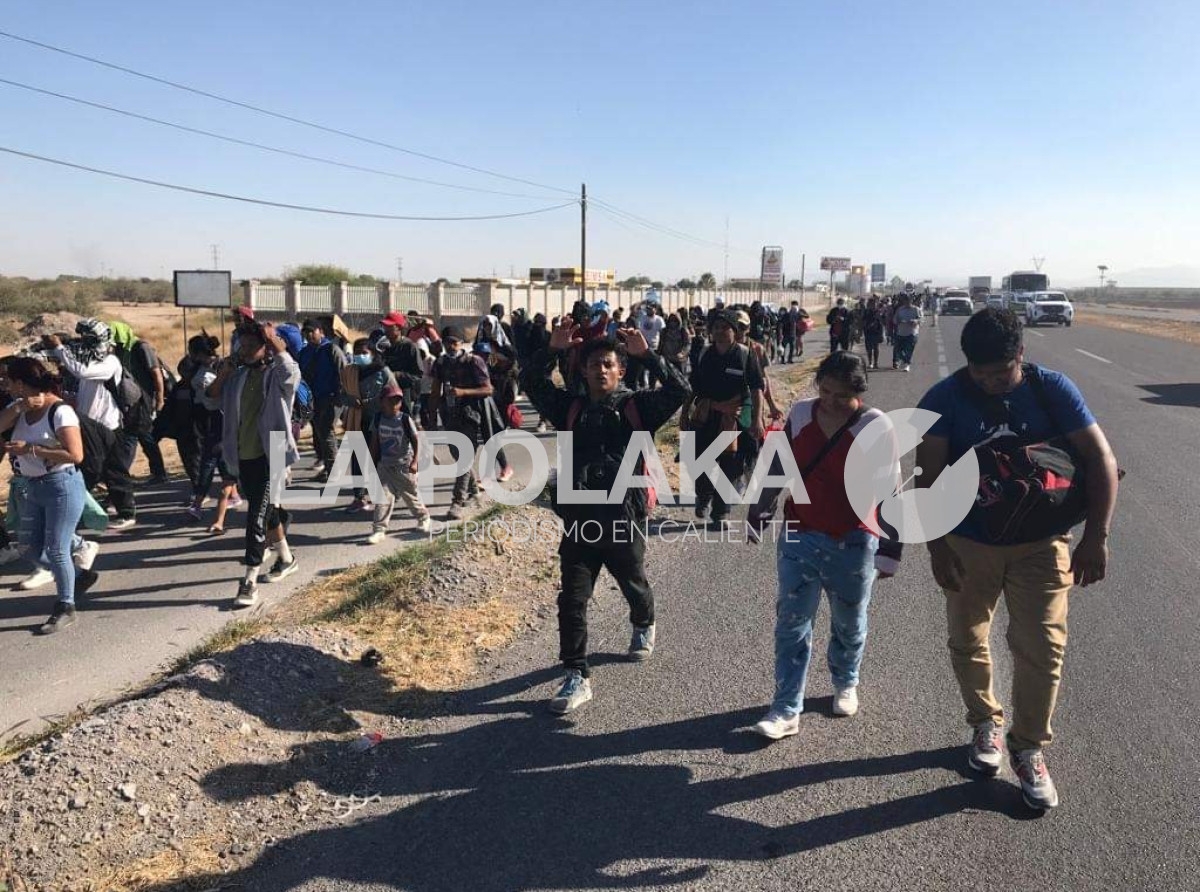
835	264
772	266
203	288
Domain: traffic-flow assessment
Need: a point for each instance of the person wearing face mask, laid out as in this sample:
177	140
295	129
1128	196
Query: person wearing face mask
363	383
823	545
256	390
461	385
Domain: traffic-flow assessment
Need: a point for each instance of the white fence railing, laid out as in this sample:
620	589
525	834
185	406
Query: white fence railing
294	301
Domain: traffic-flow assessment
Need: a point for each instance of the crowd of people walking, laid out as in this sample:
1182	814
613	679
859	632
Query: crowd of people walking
81	403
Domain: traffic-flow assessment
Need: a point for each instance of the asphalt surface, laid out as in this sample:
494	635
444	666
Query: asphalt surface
165	586
657	784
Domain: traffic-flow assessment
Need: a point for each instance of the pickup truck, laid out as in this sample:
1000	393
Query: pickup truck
1048	307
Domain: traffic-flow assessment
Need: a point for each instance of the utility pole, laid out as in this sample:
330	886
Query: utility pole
216	252
1037	263
583	241
802	258
725	282
1103	269
399	270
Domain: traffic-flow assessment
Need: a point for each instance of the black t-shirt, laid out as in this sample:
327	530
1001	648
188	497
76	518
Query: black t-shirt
727	377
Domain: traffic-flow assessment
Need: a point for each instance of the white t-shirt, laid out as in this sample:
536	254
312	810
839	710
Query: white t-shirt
651	327
43	435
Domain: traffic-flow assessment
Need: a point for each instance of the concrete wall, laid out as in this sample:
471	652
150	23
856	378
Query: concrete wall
457	304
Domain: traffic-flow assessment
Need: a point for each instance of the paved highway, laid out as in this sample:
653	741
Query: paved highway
657	784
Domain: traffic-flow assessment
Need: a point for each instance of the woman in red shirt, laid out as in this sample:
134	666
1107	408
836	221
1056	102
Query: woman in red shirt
824	545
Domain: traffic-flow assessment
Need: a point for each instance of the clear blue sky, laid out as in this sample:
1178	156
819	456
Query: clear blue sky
943	138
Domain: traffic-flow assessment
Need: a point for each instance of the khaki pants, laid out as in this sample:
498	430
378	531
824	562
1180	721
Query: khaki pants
1035	579
397	482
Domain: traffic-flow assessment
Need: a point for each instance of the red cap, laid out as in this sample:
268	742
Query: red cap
244	312
395	318
392	391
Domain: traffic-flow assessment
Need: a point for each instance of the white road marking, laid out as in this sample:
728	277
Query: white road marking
1094	356
944	370
1036	334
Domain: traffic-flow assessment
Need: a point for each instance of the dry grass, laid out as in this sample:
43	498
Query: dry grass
196	858
1187	332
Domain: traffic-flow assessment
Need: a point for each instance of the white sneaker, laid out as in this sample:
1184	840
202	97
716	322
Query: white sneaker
36	579
376	537
986	754
121	523
908	368
247	594
845	701
575	691
425	525
776	726
9	554
86	556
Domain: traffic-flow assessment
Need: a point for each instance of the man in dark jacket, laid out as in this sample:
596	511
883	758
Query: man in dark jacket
321	362
601	535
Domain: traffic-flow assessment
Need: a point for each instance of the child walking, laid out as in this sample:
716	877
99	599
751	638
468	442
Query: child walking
394	448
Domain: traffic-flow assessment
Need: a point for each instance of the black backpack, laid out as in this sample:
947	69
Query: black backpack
1029	489
132	403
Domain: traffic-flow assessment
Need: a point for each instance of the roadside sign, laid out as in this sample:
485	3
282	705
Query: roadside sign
772	266
835	264
878	273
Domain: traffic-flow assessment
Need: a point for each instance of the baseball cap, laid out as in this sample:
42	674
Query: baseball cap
395	318
742	318
726	317
453	333
244	313
391	392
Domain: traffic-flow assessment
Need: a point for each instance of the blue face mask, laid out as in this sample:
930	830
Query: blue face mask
362	359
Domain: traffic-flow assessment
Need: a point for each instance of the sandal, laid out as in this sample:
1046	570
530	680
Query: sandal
216	530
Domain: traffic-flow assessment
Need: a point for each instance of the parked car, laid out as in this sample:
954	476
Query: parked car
996	301
1049	307
957	306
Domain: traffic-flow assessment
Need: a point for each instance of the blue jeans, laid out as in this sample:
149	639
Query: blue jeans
845	568
50	513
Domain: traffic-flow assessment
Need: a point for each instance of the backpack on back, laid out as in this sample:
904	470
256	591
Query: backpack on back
131	401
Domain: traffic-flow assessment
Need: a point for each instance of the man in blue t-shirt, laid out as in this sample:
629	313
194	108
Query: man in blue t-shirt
321	362
994	399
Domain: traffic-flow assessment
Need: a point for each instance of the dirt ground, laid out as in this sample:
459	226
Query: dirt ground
1187	332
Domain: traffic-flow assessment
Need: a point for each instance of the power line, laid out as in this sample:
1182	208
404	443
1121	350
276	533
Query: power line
275	204
658	227
280	116
254	145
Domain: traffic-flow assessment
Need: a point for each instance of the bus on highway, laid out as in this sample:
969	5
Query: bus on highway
1016	288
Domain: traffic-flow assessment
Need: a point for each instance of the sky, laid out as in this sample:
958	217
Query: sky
944	139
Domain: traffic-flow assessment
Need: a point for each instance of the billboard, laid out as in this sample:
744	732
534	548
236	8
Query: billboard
772	266
835	264
878	273
203	288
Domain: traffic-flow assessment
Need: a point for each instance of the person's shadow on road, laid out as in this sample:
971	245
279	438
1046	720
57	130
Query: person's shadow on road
528	802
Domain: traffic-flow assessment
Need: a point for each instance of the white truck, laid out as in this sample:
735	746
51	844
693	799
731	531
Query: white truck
979	287
1049	308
